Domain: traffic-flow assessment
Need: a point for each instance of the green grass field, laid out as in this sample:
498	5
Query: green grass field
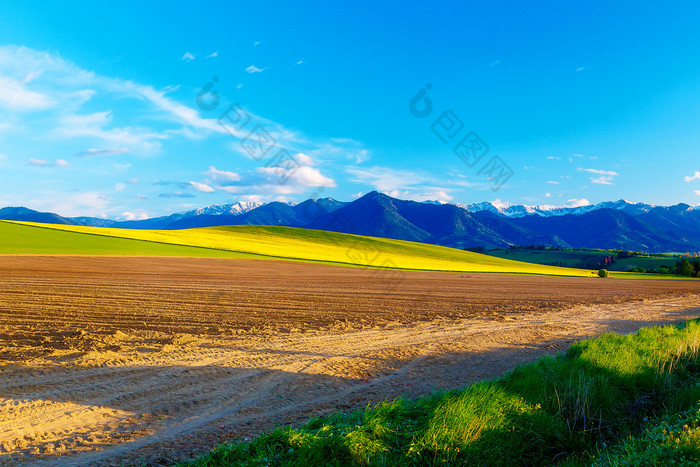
570	259
646	262
259	242
573	259
613	400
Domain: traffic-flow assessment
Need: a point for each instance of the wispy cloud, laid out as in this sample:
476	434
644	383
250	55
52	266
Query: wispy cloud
577	203
253	69
551	182
213	55
44	163
136	215
222	175
695	176
92	152
176	194
188	57
101	117
202	187
490	64
605	176
16	96
97	125
72	204
582	156
386	179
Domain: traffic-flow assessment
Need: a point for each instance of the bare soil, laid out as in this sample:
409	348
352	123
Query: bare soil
111	360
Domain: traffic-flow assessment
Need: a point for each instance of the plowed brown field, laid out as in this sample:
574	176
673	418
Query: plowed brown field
141	360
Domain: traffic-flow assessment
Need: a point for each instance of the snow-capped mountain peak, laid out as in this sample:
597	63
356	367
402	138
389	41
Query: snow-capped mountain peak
234	209
522	210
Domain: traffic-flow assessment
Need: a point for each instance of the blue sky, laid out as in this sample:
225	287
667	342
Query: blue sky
103	110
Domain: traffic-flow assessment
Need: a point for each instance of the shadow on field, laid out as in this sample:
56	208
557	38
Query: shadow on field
159	414
87	414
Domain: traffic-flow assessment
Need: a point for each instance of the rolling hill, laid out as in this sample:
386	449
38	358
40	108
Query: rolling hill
258	242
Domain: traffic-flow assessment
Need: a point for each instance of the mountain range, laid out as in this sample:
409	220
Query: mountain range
610	225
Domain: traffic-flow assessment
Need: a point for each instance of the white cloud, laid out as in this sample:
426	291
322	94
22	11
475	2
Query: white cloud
548	195
385	179
300	61
16	97
695	176
253	69
295	177
31	76
554	158
288	177
697	192
202	187
581	68
103	152
581	156
176	111
74	204
303	159
136	215
436	195
119	186
44	163
605	178
552	182
311	177
362	156
188	57
576	203
213	55
94	126
222	175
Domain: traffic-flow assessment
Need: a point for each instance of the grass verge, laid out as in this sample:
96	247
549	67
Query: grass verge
606	400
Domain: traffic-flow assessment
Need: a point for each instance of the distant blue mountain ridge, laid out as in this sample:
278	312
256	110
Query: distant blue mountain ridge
610	225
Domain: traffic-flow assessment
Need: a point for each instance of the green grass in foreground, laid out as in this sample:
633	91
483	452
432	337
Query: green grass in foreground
261	242
605	401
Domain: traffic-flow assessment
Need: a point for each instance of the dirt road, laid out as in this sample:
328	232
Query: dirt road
152	360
